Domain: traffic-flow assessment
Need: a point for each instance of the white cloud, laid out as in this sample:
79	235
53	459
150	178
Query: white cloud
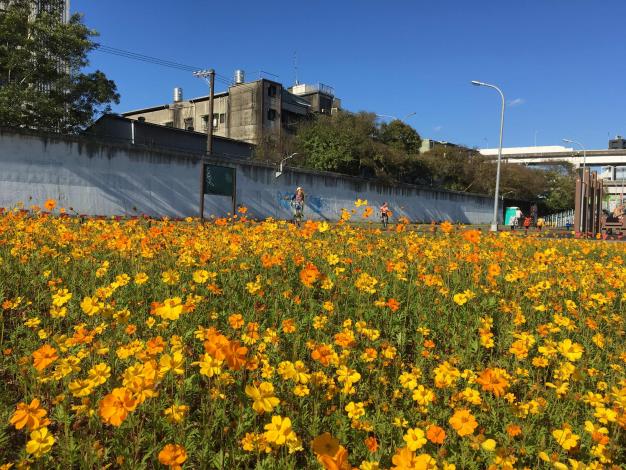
437	128
517	102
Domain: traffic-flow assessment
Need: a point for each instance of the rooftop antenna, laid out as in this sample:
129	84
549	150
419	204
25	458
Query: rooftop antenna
295	67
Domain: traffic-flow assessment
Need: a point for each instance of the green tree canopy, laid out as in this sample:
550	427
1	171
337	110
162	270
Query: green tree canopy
355	144
400	136
41	58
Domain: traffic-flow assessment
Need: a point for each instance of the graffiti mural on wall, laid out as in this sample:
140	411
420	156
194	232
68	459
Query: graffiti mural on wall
284	200
315	204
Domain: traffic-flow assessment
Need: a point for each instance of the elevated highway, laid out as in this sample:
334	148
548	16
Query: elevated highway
558	155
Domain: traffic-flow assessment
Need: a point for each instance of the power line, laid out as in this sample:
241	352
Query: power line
155	61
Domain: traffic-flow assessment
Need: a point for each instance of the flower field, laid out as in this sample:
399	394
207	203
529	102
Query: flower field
239	344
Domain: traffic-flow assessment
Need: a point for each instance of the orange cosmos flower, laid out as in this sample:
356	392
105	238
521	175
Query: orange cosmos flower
463	422
513	430
337	462
44	356
371	443
216	344
472	236
155	346
494	380
323	354
435	434
115	406
493	270
393	304
446	227
289	326
50	204
235	355
309	275
173	456
235	321
325	444
29	416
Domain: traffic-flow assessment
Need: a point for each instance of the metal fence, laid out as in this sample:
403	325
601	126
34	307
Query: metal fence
560	219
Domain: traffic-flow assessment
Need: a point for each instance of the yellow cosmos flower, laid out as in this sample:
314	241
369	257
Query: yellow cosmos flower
176	413
570	350
263	397
171	309
173	362
355	410
40	443
279	431
200	276
141	278
565	437
415	439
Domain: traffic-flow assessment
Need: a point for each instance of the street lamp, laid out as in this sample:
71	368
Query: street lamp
494	223
396	118
280	168
582	177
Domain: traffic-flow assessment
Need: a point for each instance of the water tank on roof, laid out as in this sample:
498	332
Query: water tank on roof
178	95
239	77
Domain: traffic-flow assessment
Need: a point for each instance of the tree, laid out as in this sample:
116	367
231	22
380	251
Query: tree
561	191
342	142
400	136
41	58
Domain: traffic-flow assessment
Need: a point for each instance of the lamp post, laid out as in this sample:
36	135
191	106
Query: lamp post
280	167
494	223
582	186
396	118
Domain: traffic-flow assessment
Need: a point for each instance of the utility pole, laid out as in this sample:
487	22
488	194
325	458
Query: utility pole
209	140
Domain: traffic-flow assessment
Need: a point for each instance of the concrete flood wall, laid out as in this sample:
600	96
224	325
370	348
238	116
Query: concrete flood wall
97	178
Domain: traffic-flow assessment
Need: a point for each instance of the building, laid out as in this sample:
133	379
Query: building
118	129
46	5
248	111
321	97
429	144
618	143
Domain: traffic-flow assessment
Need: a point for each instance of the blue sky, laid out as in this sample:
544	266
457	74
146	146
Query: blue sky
560	63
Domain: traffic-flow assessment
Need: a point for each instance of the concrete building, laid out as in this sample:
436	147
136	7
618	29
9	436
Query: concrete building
121	130
429	144
252	112
45	5
321	97
618	143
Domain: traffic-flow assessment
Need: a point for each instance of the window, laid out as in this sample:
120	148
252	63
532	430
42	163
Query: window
169	124
216	121
271	114
189	124
222	118
271	90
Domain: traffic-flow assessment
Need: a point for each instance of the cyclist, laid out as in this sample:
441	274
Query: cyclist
297	202
384	214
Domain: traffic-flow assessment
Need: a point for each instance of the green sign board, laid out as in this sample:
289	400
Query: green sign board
219	180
